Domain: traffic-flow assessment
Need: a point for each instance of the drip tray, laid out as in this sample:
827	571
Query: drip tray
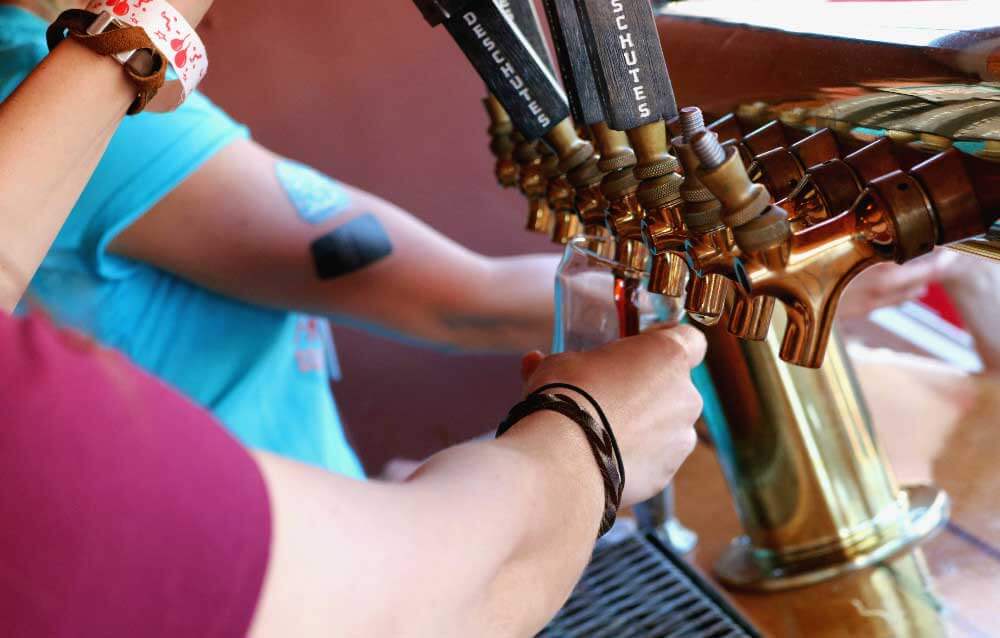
636	588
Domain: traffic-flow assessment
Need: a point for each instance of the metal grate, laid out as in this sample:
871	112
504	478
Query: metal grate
636	589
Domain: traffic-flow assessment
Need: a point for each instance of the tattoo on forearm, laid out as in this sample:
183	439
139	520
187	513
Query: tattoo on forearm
348	248
315	196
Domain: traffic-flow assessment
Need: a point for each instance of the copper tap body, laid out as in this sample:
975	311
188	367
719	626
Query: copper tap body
832	187
896	219
615	206
781	170
715	259
759	141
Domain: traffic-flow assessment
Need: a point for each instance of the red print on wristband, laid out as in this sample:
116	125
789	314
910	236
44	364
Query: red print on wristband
120	6
181	58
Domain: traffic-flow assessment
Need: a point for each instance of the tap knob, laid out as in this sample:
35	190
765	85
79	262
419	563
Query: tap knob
746	206
523	15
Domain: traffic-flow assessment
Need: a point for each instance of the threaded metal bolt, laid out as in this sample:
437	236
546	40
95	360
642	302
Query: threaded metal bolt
691	120
706	146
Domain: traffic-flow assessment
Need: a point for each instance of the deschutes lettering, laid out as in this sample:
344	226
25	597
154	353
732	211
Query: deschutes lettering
506	68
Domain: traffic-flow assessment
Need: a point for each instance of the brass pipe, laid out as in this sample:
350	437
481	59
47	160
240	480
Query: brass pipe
812	488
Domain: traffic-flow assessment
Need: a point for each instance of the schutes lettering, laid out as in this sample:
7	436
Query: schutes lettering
631	58
506	68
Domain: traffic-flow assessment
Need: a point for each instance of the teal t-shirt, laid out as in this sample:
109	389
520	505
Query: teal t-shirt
264	373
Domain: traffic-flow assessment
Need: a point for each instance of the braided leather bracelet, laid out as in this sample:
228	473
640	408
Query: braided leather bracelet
146	68
599	435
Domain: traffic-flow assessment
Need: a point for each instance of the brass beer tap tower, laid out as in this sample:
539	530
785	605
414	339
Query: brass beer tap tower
767	228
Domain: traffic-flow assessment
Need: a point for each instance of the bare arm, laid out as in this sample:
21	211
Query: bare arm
232	227
53	130
82	95
485	539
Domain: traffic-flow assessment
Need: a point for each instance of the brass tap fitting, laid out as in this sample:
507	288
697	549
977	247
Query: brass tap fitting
533	183
622	214
706	292
501	132
562	200
659	195
614	157
575	182
781	170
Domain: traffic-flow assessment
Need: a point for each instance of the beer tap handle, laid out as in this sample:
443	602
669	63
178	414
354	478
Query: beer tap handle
624	49
524	16
574	64
507	63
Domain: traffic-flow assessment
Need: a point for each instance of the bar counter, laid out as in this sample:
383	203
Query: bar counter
935	424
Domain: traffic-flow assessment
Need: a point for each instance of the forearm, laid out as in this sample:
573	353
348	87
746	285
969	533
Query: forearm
397	275
485	539
53	129
512	311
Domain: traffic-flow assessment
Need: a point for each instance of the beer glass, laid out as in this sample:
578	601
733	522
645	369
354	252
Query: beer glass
598	300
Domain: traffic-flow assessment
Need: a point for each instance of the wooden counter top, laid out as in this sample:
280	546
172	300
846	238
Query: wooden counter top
935	424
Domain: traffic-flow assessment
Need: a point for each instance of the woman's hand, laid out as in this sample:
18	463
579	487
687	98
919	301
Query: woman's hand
643	383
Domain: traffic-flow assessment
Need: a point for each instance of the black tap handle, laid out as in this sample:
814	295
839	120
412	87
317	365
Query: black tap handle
574	63
505	61
437	11
624	49
522	13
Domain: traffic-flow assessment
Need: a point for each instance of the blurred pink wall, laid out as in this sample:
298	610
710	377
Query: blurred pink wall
369	93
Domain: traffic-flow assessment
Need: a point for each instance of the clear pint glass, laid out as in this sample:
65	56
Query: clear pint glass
598	300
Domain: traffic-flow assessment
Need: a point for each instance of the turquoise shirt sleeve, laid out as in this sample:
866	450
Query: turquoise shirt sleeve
149	156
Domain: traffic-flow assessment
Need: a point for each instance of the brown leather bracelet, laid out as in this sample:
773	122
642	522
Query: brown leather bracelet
599	436
146	68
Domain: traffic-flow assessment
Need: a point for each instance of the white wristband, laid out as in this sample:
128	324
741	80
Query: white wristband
173	36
